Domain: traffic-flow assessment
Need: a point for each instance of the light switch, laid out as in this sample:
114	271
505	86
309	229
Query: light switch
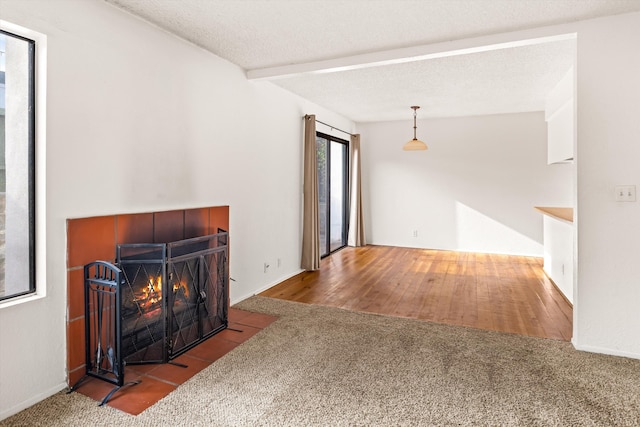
625	193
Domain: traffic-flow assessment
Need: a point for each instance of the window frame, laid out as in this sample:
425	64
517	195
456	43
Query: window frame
326	246
10	30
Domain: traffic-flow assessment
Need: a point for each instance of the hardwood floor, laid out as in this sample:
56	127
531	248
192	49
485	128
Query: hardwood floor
486	291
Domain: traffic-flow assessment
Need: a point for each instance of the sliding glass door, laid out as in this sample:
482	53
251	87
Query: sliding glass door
333	161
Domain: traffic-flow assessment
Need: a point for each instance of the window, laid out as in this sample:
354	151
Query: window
17	165
333	160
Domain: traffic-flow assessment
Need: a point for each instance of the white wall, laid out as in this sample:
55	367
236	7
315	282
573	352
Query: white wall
140	121
473	190
607	307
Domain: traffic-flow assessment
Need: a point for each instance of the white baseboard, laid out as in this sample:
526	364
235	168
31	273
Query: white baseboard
607	351
31	401
264	288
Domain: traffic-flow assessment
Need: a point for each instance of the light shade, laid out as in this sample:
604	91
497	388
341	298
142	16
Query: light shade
414	144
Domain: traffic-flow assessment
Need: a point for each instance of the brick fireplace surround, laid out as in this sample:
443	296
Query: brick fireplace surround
95	238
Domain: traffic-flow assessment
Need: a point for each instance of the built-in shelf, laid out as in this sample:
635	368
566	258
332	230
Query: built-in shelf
563	214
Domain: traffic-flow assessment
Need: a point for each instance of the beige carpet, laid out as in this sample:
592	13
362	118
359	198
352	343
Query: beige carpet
322	366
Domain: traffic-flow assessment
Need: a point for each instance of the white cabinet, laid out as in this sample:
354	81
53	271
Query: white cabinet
560	117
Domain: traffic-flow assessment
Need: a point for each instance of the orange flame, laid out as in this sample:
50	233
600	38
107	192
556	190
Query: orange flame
152	293
181	285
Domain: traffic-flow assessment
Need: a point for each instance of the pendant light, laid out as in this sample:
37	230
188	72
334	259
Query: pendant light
415	143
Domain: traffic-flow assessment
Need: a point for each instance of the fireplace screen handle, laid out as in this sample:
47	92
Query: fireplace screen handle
203	296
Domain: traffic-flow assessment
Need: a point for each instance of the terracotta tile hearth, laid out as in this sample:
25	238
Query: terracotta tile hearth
158	380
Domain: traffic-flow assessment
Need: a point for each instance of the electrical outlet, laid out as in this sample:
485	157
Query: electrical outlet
279	262
625	193
415	233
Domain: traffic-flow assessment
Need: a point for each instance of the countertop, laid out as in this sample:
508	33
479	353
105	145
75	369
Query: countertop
562	214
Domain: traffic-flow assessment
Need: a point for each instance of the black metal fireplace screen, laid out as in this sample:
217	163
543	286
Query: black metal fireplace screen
158	301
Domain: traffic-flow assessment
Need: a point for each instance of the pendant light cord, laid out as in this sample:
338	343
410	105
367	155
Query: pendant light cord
415	110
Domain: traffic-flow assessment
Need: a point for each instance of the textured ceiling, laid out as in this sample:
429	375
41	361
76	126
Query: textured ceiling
257	34
500	81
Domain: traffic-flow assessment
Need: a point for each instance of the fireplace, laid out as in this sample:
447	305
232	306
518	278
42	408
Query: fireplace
155	302
174	296
96	238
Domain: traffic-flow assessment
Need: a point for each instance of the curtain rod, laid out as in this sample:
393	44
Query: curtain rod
332	127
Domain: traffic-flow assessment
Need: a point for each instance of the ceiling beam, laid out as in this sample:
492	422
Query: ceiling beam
417	53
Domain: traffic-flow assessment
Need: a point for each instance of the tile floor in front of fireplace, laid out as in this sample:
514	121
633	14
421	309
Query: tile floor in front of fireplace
158	380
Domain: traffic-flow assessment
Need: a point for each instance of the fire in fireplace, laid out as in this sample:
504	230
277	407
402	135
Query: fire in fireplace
158	301
150	296
160	322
